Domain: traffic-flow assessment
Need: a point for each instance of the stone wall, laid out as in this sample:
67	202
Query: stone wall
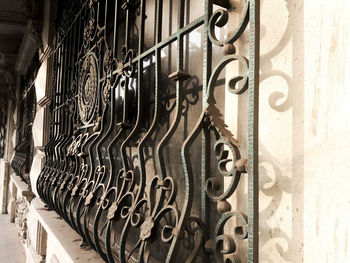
304	128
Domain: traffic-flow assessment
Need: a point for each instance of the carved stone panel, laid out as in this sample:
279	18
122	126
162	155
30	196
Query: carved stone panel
21	218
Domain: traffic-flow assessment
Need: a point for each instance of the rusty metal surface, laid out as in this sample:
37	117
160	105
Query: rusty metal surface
139	148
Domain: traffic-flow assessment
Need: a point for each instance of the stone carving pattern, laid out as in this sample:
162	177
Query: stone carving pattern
21	218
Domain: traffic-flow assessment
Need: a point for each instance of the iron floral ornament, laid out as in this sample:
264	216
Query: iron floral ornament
87	89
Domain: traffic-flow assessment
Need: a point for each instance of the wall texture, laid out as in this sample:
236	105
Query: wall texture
304	131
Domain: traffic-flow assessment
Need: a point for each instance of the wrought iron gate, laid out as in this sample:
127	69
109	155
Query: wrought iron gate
139	147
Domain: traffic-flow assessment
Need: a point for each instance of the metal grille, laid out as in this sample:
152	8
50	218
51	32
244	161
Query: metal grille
24	149
3	122
140	161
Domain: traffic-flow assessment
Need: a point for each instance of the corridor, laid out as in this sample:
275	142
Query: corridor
11	249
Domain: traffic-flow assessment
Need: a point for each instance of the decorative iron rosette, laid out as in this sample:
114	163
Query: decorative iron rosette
88	84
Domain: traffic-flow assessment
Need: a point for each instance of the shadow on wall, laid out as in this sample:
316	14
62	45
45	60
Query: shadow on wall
282	131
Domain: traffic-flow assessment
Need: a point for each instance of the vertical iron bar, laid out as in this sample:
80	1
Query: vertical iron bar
127	45
115	26
207	57
127	35
139	62
158	24
79	42
142	27
253	139
158	38
58	98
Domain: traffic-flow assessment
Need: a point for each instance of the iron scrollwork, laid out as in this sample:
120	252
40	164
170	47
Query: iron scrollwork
24	149
3	121
119	165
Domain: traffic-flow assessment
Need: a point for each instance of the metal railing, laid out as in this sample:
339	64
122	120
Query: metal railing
139	148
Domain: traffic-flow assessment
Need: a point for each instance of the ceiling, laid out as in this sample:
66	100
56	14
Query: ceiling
14	15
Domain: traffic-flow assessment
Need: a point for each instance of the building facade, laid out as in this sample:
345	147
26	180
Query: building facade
175	131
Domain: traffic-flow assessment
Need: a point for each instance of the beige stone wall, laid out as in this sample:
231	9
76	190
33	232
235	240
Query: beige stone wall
304	131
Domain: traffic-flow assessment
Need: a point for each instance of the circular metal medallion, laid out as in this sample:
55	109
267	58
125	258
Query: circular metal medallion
87	94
